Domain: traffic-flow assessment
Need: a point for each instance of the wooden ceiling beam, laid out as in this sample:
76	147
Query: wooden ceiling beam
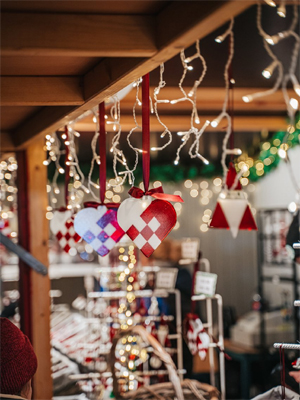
41	91
112	75
182	123
80	35
6	143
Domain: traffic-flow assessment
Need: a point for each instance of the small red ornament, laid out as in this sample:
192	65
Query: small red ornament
197	339
232	209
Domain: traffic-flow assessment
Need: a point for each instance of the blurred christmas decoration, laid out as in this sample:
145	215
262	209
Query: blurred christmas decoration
8	197
232	210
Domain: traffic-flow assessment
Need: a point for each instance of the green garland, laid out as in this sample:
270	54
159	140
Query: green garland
269	152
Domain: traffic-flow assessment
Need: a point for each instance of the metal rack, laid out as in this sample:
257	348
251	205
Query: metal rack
274	264
156	293
209	326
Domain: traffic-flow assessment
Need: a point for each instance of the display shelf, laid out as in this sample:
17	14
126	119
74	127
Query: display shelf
274	264
219	342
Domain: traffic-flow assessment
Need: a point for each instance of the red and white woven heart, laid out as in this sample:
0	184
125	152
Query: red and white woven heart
198	339
146	221
62	226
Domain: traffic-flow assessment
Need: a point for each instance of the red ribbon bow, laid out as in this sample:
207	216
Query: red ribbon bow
157	193
94	204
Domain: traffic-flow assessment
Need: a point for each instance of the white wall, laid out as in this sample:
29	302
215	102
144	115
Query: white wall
276	189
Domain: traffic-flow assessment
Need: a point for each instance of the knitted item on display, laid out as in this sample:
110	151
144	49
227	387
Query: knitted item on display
17	358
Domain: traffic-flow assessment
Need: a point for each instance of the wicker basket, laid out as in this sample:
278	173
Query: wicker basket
175	389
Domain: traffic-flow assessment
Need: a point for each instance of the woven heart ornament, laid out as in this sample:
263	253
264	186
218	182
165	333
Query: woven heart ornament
197	339
62	226
146	221
99	228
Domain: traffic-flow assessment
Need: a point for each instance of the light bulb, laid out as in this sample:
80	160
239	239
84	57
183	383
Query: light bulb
61	170
46	162
154	148
271	3
295	84
294	103
197	120
267	73
173	101
190	68
176	162
205	161
272	39
64	136
191	93
94	119
281	153
247	99
236	152
219	39
281	10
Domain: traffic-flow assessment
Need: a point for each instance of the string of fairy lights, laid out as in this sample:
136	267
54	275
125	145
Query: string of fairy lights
61	143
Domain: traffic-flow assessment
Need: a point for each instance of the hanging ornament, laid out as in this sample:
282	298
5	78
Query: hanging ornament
296	363
233	210
97	224
147	217
193	331
62	226
62	223
197	339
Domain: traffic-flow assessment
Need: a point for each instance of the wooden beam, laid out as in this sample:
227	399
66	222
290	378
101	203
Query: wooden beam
40	91
46	117
40	285
6	142
80	35
182	123
112	75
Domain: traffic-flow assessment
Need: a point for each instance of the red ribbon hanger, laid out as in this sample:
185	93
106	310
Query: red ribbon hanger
102	152
157	193
94	204
67	167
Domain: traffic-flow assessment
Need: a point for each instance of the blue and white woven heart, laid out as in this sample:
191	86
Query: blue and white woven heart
99	228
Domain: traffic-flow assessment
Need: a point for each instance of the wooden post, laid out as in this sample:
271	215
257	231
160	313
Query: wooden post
24	234
40	285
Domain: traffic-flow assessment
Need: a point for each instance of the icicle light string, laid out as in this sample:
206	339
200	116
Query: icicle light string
118	155
194	115
53	146
161	84
95	158
283	79
224	113
129	172
267	73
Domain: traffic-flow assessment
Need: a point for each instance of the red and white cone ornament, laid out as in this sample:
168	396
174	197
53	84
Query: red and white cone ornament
233	209
197	339
62	226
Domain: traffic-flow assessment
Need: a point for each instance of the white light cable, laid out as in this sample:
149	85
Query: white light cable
161	84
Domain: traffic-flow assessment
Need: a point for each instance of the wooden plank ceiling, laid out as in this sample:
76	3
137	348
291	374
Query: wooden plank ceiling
61	58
